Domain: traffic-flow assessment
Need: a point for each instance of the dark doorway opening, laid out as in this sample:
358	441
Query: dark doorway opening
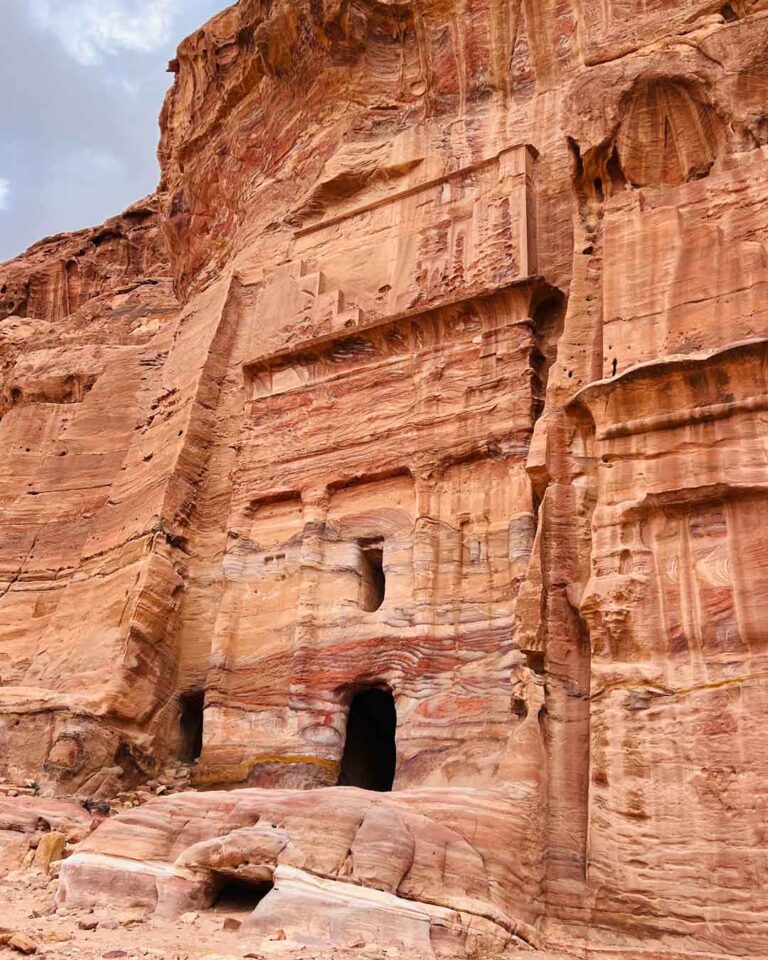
237	895
191	724
374	578
370	752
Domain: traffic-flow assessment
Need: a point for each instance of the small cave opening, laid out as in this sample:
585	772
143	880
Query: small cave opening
373	576
370	749
729	14
536	661
240	895
191	706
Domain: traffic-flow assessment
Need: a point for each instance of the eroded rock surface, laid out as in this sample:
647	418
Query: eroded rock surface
394	479
331	865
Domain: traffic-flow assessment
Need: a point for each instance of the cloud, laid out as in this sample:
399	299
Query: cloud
5	193
90	29
72	167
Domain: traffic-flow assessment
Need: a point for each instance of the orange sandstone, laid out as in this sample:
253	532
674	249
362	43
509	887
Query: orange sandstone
412	436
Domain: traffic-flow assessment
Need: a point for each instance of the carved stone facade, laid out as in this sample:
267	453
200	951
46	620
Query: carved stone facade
446	455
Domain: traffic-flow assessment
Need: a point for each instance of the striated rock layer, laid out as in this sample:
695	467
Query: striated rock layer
411	438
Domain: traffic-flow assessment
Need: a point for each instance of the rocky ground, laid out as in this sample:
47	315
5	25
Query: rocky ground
30	925
37	833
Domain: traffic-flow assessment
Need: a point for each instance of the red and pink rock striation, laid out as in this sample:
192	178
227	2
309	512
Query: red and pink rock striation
335	864
412	436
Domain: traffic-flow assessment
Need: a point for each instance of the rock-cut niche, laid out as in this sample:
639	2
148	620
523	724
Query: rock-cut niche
669	134
370	750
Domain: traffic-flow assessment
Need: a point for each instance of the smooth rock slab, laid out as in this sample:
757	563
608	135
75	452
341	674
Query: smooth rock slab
424	871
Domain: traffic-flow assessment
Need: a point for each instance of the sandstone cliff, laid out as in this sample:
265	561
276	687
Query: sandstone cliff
412	437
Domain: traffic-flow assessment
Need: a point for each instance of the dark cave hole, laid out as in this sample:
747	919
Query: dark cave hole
238	895
370	752
374	578
536	661
191	724
729	14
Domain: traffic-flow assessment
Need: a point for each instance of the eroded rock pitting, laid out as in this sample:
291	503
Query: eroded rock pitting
391	484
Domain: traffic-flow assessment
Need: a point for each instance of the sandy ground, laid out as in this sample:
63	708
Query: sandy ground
27	907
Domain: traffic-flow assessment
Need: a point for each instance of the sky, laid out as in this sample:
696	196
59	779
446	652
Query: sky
81	86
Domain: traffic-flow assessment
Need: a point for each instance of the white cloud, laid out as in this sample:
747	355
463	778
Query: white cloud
5	193
89	29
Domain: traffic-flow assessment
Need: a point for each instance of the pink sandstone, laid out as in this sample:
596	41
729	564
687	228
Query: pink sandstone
394	479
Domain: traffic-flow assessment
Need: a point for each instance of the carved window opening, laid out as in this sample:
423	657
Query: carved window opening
370	749
374	580
191	725
240	895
